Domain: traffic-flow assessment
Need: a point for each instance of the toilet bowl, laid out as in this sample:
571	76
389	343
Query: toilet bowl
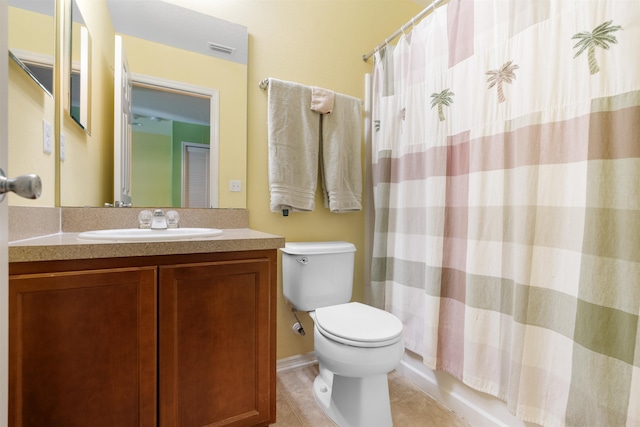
356	346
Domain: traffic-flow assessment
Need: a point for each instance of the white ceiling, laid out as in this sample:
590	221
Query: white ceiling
153	110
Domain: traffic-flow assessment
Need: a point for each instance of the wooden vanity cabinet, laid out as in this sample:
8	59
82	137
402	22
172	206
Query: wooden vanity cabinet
174	340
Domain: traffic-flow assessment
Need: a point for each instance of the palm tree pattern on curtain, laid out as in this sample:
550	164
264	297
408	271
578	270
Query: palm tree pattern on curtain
600	37
503	74
440	99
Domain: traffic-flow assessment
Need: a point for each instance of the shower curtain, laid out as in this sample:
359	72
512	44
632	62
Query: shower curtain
506	175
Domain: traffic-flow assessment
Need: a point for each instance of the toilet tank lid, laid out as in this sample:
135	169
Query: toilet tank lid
308	248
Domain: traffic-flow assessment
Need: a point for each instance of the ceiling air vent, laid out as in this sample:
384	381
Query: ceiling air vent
221	49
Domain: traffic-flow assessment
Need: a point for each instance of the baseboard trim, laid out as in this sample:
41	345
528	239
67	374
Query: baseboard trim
297	361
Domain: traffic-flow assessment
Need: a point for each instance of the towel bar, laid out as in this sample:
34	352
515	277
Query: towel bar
264	85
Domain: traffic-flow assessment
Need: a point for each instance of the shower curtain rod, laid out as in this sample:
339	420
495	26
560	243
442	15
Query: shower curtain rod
401	30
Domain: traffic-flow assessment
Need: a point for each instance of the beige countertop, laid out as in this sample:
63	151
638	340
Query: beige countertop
66	246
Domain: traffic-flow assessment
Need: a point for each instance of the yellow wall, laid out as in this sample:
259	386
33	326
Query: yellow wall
86	176
313	42
29	105
30	31
150	178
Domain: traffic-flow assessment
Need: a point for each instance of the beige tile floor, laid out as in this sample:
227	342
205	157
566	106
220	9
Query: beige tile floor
410	407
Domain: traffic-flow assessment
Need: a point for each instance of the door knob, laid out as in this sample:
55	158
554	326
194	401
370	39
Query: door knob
28	186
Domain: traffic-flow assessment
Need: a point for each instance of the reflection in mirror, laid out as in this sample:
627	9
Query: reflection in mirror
80	58
31	39
173	147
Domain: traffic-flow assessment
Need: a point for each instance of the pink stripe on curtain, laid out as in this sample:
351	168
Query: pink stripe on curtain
460	30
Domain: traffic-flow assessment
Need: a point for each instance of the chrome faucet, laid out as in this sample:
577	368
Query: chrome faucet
159	221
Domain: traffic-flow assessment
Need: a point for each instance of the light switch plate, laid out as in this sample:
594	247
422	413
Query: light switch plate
47	137
62	150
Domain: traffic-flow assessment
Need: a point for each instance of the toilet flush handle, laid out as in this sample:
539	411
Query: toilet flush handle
302	260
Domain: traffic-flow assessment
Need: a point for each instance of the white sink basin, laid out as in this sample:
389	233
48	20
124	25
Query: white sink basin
149	235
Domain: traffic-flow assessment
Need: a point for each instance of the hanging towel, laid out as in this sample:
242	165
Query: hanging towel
293	147
322	100
341	163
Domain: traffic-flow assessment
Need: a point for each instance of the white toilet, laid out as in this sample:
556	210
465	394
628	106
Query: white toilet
356	345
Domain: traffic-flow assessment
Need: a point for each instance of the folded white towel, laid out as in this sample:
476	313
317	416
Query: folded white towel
293	147
341	162
322	100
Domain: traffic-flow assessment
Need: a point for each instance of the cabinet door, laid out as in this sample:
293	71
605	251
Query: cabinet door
83	349
216	356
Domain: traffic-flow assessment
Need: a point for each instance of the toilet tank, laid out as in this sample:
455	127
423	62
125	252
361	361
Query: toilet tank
317	274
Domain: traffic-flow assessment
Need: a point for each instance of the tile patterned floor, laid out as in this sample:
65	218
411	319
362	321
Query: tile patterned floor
410	407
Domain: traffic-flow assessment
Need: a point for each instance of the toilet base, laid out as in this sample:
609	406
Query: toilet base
354	402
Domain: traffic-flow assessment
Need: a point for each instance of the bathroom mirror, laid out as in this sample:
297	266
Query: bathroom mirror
169	42
31	39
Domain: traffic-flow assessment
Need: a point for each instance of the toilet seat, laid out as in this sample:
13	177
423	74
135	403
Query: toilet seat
358	325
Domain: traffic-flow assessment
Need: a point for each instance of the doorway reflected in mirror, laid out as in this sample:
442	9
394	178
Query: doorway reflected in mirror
172	145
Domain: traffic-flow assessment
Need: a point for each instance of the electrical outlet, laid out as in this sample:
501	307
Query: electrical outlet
47	143
62	150
235	185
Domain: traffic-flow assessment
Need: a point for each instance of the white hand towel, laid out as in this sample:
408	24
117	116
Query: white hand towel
322	100
293	147
341	162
